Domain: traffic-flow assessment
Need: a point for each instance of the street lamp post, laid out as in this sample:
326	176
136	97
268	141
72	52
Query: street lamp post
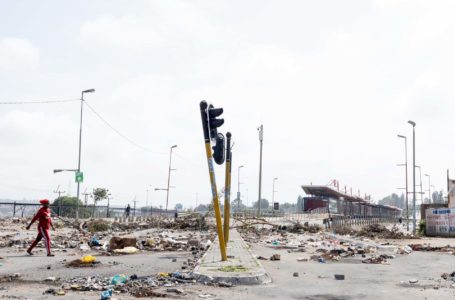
238	187
261	138
413	177
273	192
429	189
169	176
421	188
406	170
80	146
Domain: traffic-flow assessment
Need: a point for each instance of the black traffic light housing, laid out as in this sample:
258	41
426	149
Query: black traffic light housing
219	149
214	123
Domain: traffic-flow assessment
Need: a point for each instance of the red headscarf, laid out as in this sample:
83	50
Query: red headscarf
44	201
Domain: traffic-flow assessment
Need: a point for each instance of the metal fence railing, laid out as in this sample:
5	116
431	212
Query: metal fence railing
21	209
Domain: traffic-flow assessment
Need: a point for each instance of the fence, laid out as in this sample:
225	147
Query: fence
18	209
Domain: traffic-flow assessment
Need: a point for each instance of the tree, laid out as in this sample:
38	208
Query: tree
201	208
237	205
264	204
178	207
100	194
68	207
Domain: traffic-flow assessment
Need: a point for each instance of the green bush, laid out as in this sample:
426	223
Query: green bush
98	225
421	230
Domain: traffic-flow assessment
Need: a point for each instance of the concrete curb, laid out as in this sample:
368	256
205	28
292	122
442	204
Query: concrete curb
207	269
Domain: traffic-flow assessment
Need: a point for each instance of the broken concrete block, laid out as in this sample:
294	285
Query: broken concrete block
118	242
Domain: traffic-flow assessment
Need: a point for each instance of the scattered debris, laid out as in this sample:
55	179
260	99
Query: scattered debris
339	276
275	257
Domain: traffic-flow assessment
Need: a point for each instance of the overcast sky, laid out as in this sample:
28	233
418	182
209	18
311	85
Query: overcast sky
333	82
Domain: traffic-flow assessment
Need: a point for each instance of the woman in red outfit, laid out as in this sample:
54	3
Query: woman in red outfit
44	224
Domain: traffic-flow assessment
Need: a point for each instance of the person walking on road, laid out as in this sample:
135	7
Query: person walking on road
44	224
127	211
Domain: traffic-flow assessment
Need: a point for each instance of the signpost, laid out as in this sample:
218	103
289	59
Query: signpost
79	177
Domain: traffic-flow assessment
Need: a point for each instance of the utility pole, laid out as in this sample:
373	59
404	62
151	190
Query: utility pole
86	197
60	202
261	138
134	208
238	187
413	177
429	189
406	170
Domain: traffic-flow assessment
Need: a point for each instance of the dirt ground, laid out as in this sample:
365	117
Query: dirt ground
416	275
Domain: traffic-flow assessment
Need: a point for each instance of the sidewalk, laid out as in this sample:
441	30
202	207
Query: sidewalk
241	268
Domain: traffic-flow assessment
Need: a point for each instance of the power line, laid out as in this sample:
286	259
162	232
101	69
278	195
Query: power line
120	134
37	101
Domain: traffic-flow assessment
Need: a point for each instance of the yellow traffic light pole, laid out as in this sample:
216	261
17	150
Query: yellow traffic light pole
216	205
227	188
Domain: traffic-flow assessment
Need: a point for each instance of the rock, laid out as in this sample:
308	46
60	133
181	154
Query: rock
174	259
413	280
127	250
262	258
174	290
118	242
296	274
194	242
302	259
51	279
275	257
225	284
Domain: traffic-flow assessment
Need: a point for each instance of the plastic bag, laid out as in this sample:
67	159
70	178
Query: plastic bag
88	259
119	279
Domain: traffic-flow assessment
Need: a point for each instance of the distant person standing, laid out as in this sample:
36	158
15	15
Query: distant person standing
127	211
44	224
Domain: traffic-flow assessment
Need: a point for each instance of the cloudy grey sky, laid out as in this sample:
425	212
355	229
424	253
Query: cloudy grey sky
333	82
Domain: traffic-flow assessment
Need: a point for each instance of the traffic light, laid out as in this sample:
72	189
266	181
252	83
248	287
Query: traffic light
214	123
219	149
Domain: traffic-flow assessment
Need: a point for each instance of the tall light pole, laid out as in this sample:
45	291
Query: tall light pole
80	147
406	170
273	192
261	138
413	176
169	176
147	202
429	189
238	187
421	188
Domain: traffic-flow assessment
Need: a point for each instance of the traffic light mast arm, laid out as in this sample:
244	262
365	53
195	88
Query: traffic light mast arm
216	205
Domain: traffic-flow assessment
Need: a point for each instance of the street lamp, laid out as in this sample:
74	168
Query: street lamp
421	191
169	175
406	170
238	187
80	145
429	189
413	124
273	193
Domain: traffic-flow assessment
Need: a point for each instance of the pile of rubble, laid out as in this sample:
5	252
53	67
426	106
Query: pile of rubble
374	231
147	286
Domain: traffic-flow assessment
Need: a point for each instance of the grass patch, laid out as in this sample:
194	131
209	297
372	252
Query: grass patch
238	268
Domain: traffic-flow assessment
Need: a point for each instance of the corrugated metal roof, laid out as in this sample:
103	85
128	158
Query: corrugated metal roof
322	190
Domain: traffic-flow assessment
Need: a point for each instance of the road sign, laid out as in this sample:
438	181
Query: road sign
276	206
79	176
